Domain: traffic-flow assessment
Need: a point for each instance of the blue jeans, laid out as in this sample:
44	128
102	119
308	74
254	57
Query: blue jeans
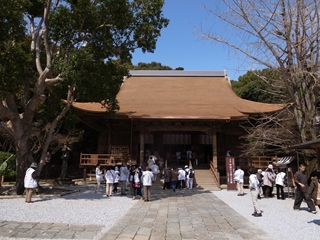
174	184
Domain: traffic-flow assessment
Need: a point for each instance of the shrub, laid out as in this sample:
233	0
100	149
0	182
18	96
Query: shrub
7	164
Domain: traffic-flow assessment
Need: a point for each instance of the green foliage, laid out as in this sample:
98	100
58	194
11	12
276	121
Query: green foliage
7	164
151	66
259	86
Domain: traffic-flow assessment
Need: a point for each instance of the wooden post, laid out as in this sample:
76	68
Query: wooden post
141	148
85	174
318	157
214	150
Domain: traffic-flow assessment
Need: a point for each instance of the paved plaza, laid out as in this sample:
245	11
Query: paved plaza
184	214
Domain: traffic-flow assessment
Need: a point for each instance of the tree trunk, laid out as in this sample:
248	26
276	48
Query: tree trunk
23	161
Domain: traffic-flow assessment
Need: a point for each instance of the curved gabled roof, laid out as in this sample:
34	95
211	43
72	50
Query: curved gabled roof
182	95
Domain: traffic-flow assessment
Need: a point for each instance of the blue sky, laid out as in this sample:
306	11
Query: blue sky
179	47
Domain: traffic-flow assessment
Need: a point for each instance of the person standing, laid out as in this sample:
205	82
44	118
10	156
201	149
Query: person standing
260	179
313	192
154	170
147	177
167	178
268	180
187	170
124	174
181	178
280	180
238	177
174	179
98	176
254	190
116	179
30	181
301	180
110	176
136	183
161	167
190	178
152	160
65	158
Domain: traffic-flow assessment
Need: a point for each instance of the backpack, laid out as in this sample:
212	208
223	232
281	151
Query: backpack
191	174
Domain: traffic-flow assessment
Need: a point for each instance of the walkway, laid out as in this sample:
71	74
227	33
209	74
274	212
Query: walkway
184	214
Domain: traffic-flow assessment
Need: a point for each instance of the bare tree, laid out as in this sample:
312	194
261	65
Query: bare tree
281	35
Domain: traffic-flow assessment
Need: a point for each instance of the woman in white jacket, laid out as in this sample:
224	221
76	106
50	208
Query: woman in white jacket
98	176
110	176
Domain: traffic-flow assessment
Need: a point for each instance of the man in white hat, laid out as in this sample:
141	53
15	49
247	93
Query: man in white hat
30	182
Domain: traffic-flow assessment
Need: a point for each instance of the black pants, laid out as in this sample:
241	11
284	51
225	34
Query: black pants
166	185
300	195
137	191
280	191
267	191
115	188
180	184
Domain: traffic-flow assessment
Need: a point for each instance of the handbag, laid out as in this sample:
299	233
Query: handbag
136	184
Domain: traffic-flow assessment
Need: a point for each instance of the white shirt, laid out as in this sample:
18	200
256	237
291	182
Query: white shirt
110	176
253	181
280	178
238	175
147	178
182	175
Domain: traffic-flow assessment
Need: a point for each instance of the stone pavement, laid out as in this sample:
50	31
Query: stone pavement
20	230
184	214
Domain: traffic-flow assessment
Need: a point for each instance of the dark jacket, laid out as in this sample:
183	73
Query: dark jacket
300	177
174	176
313	189
167	175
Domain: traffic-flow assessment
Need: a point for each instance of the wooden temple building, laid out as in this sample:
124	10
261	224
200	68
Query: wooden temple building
164	112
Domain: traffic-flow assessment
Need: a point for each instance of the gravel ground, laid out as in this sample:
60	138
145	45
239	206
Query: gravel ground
93	209
279	219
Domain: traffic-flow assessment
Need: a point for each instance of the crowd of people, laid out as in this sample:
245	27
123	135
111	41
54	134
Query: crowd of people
262	183
136	181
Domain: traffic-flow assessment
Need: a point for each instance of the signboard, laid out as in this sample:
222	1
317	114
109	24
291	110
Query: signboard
230	168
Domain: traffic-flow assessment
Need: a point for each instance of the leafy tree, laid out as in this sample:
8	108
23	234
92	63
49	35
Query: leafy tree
151	66
260	86
73	49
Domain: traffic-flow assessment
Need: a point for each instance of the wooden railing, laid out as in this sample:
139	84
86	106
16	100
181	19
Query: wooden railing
215	174
260	161
88	159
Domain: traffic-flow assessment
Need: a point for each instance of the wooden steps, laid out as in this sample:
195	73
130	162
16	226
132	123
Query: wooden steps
205	180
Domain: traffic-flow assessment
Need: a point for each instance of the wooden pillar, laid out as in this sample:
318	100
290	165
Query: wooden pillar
109	139
318	157
214	150
141	148
85	174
